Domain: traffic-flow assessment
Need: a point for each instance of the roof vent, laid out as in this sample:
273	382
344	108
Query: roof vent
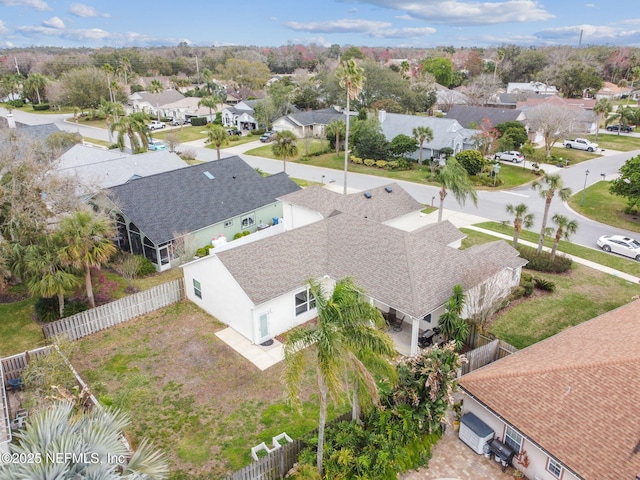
367	194
208	175
388	189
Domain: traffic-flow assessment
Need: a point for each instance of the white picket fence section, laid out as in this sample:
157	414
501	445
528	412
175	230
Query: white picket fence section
113	313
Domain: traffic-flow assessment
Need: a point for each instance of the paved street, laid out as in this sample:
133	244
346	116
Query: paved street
491	205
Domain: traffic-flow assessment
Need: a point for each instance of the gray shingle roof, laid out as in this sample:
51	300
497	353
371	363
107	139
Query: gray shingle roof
315	117
381	207
162	98
467	115
411	271
186	200
99	169
444	129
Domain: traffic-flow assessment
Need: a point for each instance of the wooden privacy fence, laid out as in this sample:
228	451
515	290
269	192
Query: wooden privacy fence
105	316
15	364
487	349
272	467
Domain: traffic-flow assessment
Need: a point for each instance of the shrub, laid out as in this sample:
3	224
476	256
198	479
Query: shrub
245	233
203	251
74	306
258	131
517	292
41	106
543	262
528	288
381	163
46	309
355	159
403	164
18	103
544	284
198	121
392	165
369	163
146	266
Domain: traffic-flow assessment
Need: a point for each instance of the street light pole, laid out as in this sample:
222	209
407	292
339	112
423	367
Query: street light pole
586	174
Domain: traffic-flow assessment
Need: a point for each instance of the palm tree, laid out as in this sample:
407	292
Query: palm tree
602	109
285	146
135	128
452	325
622	115
124	68
109	71
548	187
45	271
111	111
351	77
156	88
454	177
95	437
337	129
405	69
209	102
35	83
566	228
218	136
86	239
422	134
347	328
521	219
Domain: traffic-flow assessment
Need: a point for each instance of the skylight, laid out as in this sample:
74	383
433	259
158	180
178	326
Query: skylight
208	175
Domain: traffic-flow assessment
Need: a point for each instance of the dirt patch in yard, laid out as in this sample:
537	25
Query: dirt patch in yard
184	388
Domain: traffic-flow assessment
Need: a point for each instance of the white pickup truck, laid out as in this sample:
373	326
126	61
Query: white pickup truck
581	144
155	124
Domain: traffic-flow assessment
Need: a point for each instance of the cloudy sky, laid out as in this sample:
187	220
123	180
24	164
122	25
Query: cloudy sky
414	23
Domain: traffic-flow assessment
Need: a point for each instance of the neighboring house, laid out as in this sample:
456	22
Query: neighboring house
241	115
154	103
188	107
310	123
612	91
32	132
260	289
472	117
570	401
447	98
446	132
539	88
586	120
159	215
98	169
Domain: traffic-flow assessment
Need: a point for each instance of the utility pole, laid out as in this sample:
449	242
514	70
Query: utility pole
17	68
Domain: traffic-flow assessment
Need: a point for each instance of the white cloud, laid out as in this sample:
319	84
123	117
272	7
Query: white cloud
82	10
54	22
404	17
403	32
3	28
590	5
590	34
312	41
462	12
37	4
339	26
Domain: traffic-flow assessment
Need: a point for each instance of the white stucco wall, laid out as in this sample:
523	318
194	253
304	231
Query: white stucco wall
222	297
538	459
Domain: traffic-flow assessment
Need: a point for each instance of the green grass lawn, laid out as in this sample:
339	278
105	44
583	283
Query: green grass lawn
20	332
582	294
596	255
192	395
601	206
613	141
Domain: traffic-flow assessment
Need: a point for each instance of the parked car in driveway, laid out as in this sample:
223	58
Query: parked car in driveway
511	156
156	124
234	131
267	137
157	145
621	245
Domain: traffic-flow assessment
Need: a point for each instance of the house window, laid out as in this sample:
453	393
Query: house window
304	302
513	439
248	220
197	288
228	223
555	468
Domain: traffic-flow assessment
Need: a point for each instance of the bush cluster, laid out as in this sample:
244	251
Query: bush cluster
146	266
41	106
198	121
543	262
18	103
203	251
241	234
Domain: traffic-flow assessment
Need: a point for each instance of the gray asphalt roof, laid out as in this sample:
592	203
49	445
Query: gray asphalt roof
413	272
444	129
467	115
381	207
97	169
315	117
186	200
